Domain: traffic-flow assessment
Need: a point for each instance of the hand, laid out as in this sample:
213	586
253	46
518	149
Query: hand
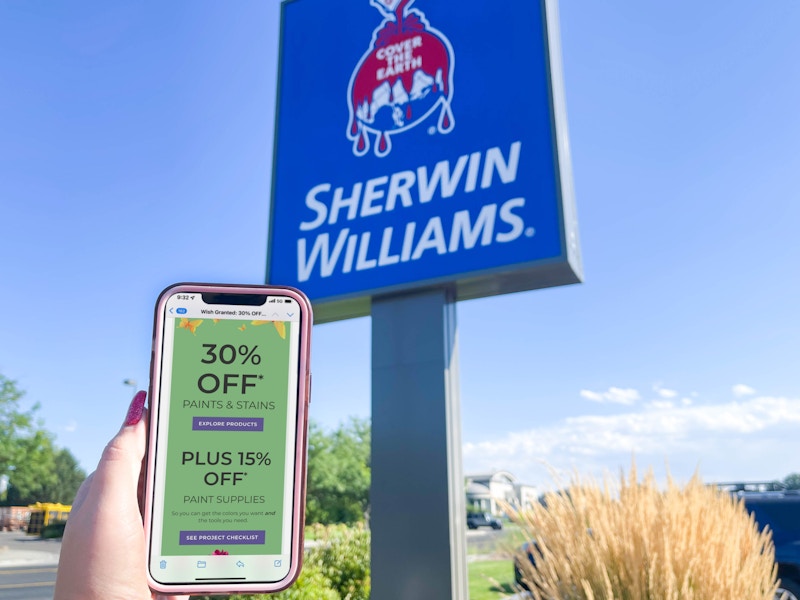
103	551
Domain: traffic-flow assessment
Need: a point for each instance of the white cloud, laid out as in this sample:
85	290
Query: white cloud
614	395
666	393
715	433
71	426
741	390
661	404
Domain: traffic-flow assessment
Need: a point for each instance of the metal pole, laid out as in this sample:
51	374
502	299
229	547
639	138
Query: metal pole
417	512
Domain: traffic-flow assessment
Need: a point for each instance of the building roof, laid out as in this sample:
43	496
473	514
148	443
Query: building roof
478	489
493	476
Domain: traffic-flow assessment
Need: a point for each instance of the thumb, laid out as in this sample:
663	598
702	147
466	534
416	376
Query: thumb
120	465
122	456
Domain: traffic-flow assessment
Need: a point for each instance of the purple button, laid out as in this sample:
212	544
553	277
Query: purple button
227	424
200	538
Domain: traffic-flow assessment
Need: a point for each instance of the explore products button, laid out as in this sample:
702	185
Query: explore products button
227	424
196	538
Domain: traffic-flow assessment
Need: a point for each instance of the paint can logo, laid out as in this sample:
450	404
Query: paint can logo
405	77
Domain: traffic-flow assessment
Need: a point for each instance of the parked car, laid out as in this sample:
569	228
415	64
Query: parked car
525	553
475	520
781	512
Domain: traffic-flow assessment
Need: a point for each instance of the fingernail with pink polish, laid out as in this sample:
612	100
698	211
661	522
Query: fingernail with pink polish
136	409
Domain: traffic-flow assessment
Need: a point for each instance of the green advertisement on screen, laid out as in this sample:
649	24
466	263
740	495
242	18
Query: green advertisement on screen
226	437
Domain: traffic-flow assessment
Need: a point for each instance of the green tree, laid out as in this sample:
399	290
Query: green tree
338	473
68	478
33	470
36	469
15	423
792	481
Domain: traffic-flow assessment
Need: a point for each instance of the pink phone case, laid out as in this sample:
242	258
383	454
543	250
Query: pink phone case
300	455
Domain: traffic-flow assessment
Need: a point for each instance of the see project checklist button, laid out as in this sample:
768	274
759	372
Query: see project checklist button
197	538
228	423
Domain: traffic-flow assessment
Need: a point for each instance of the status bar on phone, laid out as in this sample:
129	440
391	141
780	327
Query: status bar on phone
277	313
191	306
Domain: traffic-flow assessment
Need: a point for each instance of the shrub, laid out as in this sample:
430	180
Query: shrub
311	585
342	555
336	568
635	542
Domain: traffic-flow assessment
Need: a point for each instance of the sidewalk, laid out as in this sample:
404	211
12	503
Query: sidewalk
19	550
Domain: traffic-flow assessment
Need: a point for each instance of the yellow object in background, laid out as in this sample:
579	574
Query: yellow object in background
45	513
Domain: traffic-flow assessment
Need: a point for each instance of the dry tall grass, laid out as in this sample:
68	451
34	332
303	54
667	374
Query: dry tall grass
636	542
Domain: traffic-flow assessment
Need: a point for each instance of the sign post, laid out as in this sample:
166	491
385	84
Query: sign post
417	509
421	158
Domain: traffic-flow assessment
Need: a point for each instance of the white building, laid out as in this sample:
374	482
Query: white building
485	490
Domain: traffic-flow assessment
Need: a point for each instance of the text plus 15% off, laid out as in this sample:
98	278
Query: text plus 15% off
212	478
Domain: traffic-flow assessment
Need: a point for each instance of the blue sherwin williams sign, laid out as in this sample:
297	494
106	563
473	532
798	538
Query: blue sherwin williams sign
420	143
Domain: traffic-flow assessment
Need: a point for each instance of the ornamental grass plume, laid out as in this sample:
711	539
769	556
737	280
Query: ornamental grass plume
636	542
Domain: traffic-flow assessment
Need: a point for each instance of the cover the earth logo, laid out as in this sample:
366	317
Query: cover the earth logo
405	77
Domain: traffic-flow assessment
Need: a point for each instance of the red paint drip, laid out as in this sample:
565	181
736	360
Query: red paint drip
362	142
383	143
446	121
408	112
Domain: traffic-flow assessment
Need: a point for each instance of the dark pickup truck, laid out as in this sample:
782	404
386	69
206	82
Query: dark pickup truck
475	520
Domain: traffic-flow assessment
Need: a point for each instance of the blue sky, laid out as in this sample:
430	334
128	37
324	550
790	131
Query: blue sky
135	151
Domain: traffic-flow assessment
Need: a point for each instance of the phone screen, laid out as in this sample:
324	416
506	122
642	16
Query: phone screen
226	426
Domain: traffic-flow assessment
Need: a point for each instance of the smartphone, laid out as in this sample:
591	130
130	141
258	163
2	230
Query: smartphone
224	499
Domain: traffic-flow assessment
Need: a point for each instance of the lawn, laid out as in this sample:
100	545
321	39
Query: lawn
491	579
506	541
